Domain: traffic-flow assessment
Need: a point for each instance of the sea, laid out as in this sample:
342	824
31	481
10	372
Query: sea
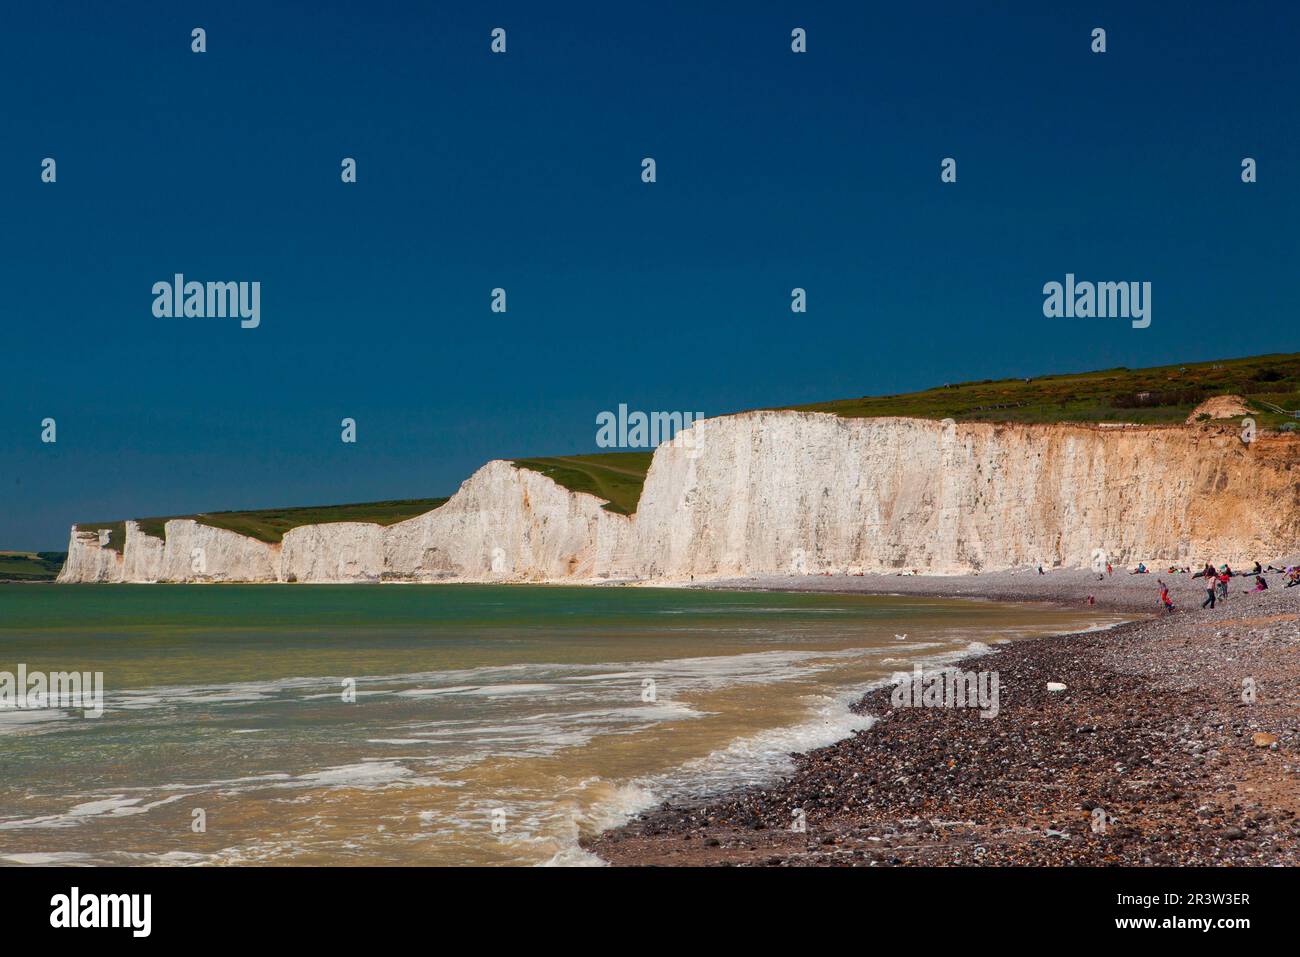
431	724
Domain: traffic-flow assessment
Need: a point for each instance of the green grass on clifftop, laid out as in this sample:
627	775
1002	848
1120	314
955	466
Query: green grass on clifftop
616	477
1165	394
270	524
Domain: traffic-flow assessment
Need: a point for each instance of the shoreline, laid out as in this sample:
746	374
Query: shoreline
1150	756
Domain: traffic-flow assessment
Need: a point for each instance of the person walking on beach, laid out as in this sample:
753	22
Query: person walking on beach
1210	584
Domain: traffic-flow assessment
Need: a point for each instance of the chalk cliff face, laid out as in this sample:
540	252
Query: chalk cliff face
142	560
507	524
90	559
790	493
337	552
802	493
200	553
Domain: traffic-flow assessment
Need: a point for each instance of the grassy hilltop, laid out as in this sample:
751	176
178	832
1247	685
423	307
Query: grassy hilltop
1164	394
30	566
616	477
1160	395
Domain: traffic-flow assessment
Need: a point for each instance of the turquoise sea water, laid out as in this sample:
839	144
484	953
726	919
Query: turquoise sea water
488	724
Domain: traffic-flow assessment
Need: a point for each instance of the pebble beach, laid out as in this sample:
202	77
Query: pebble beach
1172	739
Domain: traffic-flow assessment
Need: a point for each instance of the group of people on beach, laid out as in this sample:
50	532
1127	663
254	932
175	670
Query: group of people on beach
1216	581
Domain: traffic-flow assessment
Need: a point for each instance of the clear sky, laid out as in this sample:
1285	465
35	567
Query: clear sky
522	171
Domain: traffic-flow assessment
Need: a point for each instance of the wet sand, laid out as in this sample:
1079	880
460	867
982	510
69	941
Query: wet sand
1149	756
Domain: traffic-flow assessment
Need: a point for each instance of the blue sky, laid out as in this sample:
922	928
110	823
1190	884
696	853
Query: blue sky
522	171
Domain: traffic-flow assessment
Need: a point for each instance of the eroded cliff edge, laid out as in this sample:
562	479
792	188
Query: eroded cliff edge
780	492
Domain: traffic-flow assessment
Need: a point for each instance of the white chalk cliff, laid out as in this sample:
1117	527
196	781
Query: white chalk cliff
794	493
